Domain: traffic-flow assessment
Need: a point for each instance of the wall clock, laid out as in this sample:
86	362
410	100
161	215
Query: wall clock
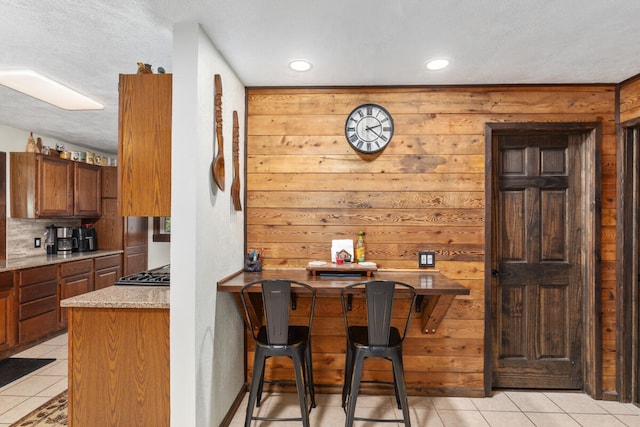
369	128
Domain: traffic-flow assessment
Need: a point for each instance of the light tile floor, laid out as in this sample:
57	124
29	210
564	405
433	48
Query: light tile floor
508	408
24	395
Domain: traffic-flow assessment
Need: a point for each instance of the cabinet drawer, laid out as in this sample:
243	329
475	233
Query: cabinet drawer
37	291
107	261
35	308
39	274
6	281
77	267
37	327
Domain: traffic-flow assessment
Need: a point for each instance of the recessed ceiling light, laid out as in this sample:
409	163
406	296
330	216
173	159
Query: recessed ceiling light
437	64
43	88
300	65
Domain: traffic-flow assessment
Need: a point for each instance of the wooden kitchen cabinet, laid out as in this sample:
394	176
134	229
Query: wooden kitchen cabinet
37	302
107	269
87	190
50	187
144	145
76	278
117	232
7	311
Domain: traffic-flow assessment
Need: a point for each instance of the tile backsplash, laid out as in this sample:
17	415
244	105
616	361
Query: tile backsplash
22	232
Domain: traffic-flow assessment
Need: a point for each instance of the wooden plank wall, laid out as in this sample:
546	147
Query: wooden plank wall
306	186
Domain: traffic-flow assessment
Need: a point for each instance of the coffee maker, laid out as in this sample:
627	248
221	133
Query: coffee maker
51	239
85	237
65	241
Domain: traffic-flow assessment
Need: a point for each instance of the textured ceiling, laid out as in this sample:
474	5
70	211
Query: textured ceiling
87	44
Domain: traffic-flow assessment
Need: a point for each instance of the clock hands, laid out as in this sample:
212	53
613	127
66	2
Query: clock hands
370	128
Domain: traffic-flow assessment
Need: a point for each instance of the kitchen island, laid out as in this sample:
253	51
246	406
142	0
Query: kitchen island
119	357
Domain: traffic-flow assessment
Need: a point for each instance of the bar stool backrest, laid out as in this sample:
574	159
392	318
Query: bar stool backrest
276	300
380	296
276	295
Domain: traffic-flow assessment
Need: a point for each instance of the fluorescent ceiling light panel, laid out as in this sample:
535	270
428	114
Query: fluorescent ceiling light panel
38	86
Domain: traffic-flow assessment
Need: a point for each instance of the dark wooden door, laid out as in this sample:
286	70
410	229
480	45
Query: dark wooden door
537	283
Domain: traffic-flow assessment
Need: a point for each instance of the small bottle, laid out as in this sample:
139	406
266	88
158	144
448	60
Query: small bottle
360	247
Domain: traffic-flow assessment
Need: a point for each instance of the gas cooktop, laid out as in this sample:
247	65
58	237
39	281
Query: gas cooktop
156	277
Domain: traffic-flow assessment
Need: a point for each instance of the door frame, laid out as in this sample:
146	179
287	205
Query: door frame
591	139
627	264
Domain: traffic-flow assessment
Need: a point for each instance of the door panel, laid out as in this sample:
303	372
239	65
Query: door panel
538	332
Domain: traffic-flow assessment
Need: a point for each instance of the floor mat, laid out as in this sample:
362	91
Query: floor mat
54	413
13	368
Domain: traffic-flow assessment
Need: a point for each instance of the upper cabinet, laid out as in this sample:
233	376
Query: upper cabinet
49	187
144	145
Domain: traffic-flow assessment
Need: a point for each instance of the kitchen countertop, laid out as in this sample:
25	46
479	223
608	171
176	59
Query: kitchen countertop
44	259
122	297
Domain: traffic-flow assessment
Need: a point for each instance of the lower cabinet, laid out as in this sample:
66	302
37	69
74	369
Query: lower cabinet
30	298
7	311
37	302
75	278
108	269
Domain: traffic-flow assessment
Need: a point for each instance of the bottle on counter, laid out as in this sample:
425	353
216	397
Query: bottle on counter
360	247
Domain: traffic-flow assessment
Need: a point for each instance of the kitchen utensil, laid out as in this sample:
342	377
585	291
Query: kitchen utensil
235	185
217	168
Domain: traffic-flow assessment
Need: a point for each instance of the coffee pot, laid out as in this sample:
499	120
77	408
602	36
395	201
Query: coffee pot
65	240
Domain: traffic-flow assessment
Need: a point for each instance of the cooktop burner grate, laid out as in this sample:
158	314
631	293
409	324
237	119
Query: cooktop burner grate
146	279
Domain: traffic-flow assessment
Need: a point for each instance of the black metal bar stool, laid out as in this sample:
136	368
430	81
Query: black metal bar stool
269	322
377	338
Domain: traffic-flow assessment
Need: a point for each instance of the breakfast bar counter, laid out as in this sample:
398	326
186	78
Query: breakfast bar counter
435	291
428	333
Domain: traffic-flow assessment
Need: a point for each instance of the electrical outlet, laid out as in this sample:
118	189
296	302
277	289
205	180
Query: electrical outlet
426	259
36	242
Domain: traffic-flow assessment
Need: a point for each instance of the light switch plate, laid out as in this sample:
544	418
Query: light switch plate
426	259
36	242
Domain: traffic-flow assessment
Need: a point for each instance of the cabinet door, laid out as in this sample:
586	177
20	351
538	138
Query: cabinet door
107	277
72	286
7	311
144	144
87	199
108	270
75	278
109	182
54	191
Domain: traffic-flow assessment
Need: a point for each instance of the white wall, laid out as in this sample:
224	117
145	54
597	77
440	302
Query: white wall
207	237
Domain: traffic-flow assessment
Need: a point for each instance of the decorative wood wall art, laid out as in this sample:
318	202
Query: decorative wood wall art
235	185
217	169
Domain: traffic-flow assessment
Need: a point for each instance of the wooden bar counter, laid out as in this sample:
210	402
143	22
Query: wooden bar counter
436	293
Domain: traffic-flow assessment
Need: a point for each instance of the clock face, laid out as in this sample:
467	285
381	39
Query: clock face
369	128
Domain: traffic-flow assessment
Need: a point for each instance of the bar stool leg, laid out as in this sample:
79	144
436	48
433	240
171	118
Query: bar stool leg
298	364
395	384
401	386
348	374
358	358
256	380
309	374
261	386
